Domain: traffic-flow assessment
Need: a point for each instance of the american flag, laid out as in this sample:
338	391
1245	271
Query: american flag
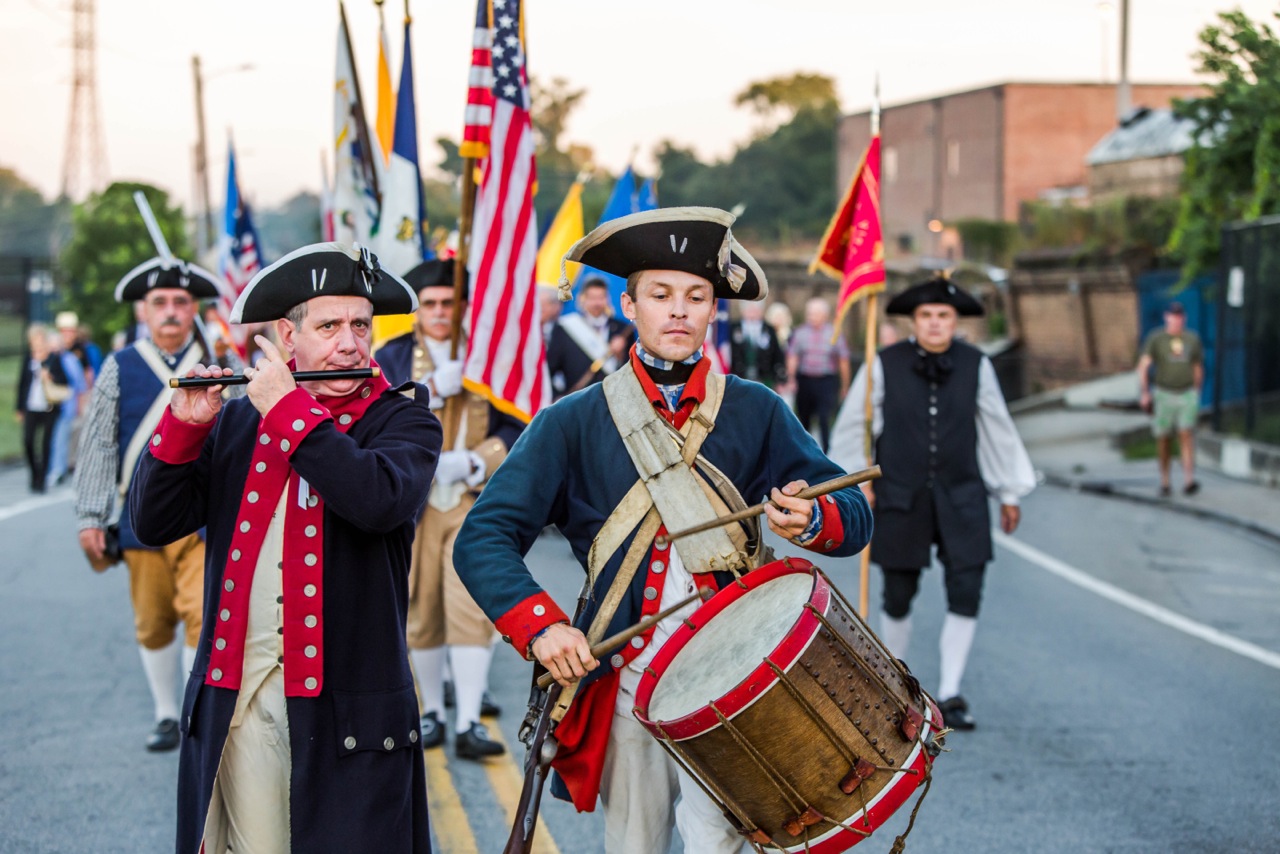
238	257
479	115
505	359
716	345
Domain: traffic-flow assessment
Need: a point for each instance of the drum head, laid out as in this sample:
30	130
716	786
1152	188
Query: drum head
727	649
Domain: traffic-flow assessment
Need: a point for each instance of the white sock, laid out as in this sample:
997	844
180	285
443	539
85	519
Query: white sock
428	664
188	661
161	667
896	634
954	645
470	677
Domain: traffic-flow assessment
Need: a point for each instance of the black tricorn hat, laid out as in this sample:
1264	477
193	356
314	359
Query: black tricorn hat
436	273
937	290
322	270
166	273
689	239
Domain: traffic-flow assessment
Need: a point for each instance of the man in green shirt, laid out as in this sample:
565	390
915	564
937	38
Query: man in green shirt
1178	357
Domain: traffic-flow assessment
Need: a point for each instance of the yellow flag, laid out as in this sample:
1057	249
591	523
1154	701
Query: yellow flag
566	229
385	124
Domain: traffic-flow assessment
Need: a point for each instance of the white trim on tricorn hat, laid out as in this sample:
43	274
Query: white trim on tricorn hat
322	270
171	273
690	239
938	290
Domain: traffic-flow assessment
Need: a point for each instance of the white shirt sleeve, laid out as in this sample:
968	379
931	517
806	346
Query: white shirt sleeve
848	448
1006	468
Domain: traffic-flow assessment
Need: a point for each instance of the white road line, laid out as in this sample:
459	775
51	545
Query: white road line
30	504
1138	604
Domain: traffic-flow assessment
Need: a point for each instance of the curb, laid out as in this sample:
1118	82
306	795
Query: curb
1107	490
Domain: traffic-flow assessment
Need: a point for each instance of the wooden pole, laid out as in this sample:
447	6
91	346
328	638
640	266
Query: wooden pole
864	574
453	405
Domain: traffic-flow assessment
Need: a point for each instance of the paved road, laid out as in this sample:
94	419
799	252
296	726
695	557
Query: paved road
1100	728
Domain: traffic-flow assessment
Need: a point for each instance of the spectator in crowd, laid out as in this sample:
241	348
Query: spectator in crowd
586	347
818	366
778	316
42	387
75	363
754	351
1177	356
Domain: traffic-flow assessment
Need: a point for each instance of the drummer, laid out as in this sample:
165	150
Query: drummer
573	468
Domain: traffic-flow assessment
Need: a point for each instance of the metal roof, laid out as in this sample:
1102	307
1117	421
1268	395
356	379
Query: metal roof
1145	133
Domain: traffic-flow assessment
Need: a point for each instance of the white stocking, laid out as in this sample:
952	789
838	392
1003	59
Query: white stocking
161	667
470	665
428	664
896	634
954	645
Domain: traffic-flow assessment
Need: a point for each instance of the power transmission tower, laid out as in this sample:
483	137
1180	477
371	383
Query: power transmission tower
84	157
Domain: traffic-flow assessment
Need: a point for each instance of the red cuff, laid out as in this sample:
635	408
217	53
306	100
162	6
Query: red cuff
521	623
293	418
831	534
176	442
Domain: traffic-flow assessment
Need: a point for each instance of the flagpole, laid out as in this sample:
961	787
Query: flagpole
864	575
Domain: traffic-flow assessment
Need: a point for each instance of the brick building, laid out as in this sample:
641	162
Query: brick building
982	153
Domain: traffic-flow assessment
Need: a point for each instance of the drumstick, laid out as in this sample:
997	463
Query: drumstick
608	644
810	492
298	376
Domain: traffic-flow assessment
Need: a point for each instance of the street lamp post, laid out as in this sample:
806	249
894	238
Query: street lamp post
204	228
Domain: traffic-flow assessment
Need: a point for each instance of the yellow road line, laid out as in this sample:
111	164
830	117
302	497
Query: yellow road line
507	779
448	818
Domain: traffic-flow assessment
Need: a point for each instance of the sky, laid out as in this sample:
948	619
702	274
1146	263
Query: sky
653	70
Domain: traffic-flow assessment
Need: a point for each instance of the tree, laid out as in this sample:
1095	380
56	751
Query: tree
26	221
1233	166
780	99
108	239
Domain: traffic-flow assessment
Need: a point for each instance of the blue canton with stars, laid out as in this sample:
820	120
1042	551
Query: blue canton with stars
508	55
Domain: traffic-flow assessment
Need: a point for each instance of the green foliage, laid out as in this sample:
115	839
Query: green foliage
1233	167
108	239
988	241
784	178
1122	225
10	430
780	99
26	222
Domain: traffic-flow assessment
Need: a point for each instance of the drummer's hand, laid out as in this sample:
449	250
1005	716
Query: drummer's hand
564	651
199	405
270	379
790	521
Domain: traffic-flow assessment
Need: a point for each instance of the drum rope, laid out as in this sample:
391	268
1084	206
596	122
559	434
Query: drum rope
793	798
719	795
900	844
812	712
888	693
903	672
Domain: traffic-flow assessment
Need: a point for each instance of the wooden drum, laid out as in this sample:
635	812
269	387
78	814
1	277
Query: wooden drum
793	716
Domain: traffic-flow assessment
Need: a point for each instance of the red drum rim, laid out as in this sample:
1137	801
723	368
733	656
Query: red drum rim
754	685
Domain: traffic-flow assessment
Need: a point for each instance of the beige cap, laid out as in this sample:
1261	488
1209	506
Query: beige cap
66	320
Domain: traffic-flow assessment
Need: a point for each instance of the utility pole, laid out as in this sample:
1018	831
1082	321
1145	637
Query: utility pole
84	129
1124	97
204	225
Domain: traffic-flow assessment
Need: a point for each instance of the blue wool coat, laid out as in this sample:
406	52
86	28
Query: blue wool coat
570	469
373	481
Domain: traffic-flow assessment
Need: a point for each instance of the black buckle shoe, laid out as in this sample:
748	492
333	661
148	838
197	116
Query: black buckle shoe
432	731
955	713
164	737
476	744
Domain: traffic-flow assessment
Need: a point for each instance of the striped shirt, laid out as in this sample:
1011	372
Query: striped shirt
819	356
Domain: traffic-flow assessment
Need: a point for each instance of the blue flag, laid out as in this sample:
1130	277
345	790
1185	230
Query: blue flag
624	200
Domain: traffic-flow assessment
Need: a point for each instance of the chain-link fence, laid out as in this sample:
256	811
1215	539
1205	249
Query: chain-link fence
1249	331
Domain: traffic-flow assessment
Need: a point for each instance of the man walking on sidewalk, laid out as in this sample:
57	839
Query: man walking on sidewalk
1178	357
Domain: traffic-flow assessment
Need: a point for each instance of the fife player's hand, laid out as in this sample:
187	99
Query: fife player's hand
199	405
270	379
564	651
789	519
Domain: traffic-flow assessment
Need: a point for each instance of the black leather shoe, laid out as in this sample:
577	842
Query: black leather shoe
476	744
432	731
488	708
164	737
955	713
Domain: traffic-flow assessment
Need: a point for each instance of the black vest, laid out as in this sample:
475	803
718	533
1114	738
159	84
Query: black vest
932	489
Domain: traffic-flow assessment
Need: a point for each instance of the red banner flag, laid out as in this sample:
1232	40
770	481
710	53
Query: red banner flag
852	250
